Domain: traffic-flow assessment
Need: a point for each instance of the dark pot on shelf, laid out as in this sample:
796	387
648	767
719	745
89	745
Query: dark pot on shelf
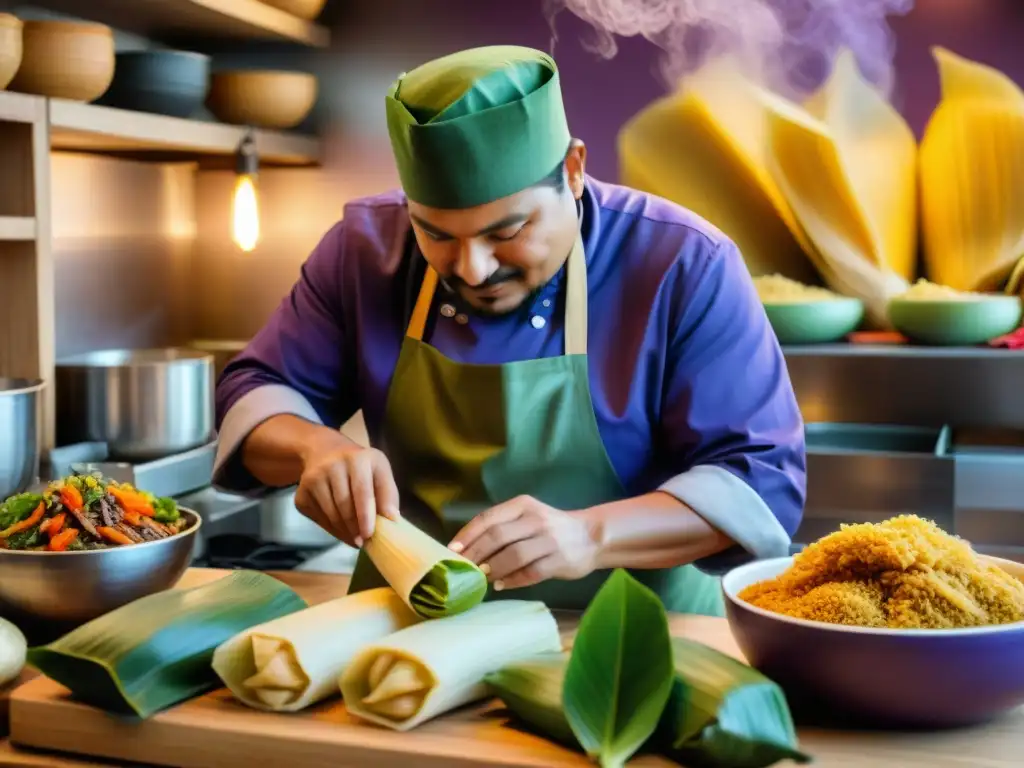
172	83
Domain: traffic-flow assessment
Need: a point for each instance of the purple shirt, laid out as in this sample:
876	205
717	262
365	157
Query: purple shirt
689	384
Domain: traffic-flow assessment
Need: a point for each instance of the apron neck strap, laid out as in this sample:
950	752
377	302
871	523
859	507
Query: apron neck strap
575	302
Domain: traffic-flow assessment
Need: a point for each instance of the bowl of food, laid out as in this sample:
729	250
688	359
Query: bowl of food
85	545
896	624
941	316
807	314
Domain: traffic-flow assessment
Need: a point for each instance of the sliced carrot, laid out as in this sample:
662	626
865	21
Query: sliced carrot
62	540
71	498
28	522
131	501
113	535
54	525
133	518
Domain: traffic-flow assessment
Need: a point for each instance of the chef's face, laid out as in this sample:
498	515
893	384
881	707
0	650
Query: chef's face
497	254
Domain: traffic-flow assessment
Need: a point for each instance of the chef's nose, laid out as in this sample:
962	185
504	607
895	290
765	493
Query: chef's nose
475	262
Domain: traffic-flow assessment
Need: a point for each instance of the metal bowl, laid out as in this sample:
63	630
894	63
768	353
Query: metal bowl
145	404
20	418
894	678
76	587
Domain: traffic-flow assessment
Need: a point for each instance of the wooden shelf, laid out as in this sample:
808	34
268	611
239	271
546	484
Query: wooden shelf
87	128
170	20
15	228
20	108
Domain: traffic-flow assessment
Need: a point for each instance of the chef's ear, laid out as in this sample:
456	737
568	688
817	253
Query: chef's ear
575	167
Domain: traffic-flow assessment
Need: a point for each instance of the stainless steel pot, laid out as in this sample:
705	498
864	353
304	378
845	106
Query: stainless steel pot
145	404
20	434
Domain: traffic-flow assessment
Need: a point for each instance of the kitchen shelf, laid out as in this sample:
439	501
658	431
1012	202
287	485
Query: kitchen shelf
79	127
15	228
170	20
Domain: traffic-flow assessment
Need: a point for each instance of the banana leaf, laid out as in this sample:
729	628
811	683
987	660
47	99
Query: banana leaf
155	652
724	714
449	588
433	580
619	674
608	694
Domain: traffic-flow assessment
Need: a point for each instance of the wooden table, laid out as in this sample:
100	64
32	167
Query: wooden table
449	740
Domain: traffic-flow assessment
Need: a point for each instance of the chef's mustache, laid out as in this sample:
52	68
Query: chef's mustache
500	275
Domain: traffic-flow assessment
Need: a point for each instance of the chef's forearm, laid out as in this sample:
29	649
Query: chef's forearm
655	530
276	450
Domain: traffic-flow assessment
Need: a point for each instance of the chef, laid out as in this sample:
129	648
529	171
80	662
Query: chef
559	376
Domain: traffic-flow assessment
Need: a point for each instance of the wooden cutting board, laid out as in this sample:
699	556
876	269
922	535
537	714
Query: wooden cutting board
214	730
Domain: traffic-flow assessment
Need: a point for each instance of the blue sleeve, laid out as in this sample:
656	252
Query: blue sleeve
729	410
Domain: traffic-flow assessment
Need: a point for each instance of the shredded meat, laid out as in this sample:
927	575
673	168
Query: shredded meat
85	522
130	532
109	512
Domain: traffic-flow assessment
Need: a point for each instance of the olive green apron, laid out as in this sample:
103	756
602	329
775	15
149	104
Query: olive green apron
464	437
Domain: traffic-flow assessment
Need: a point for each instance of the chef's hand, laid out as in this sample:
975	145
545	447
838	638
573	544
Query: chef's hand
344	488
523	542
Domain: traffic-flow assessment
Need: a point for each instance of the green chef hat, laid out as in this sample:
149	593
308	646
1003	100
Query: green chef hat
477	125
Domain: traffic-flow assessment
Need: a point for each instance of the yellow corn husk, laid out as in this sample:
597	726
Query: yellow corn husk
705	148
850	178
972	177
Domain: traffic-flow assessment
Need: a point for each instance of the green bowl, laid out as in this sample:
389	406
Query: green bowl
964	322
814	322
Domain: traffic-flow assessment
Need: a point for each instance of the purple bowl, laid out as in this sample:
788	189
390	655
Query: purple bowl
913	678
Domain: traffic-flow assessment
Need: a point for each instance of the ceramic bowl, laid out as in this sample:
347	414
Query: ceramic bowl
921	678
814	322
10	47
170	83
263	99
65	60
960	322
307	10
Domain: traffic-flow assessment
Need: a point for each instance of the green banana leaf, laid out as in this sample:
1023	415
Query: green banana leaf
448	589
155	652
532	691
619	674
725	714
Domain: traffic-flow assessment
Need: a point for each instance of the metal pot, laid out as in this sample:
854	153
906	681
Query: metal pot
145	404
20	433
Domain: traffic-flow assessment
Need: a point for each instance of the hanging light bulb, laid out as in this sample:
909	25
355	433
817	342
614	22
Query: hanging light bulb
245	215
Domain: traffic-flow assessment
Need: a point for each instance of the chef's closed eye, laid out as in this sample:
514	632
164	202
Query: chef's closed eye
507	234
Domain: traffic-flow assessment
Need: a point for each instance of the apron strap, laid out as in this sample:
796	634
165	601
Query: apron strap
575	302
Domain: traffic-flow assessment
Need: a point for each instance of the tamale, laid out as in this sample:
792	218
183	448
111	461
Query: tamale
435	666
155	652
433	580
292	662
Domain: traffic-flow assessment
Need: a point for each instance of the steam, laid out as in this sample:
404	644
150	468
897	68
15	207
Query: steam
787	44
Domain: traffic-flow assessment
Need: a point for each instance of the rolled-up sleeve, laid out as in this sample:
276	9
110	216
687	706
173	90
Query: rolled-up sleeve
730	420
299	363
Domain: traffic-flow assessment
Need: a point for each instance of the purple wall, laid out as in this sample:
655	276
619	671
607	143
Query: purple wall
385	37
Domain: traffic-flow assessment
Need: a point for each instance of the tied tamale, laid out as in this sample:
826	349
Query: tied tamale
435	666
293	662
155	652
433	580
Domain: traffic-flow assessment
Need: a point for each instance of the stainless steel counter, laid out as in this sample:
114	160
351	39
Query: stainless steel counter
938	432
